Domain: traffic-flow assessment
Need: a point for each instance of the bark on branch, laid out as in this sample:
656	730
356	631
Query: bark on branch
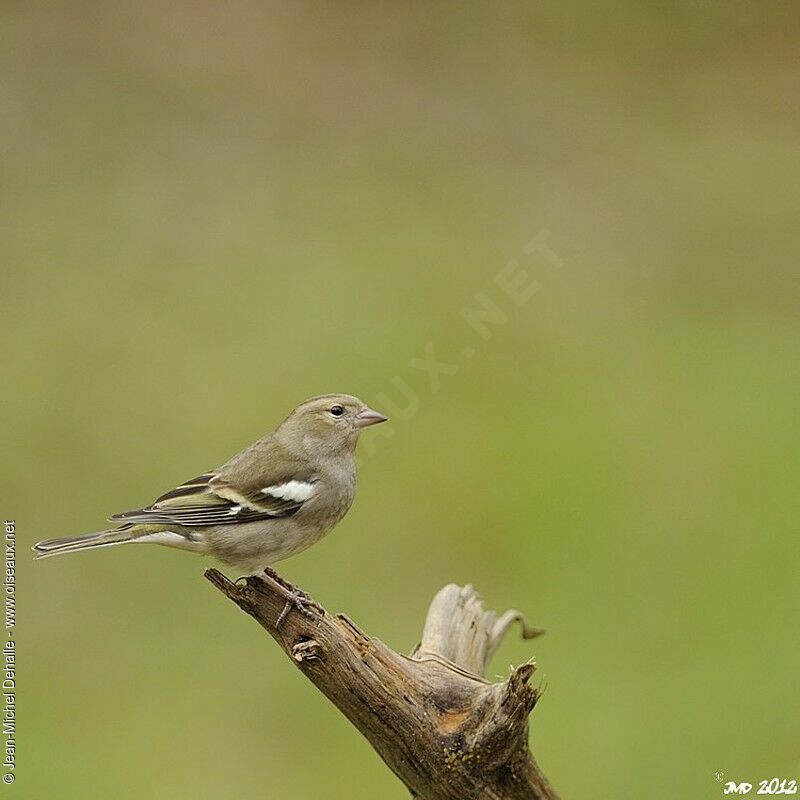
445	731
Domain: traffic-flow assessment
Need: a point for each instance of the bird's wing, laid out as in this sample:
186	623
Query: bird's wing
265	485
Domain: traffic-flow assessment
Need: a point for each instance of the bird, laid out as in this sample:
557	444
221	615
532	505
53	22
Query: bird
270	501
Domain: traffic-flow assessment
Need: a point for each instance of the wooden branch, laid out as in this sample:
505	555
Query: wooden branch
445	731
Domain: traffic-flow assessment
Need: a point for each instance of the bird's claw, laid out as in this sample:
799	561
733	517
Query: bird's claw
303	603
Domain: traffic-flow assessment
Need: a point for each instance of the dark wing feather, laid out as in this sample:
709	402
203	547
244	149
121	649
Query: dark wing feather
187	488
209	500
225	513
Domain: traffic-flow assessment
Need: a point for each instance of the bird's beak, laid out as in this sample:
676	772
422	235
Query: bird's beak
369	417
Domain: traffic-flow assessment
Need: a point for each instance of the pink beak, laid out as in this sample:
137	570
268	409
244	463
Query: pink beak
369	417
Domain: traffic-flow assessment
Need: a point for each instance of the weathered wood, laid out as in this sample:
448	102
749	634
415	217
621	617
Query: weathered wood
445	731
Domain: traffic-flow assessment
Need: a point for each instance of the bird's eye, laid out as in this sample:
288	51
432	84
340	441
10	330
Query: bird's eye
337	411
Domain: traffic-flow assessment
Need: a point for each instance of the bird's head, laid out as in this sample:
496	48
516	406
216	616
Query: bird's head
328	424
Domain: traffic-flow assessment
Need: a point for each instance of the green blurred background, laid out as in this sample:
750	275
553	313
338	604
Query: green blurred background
212	211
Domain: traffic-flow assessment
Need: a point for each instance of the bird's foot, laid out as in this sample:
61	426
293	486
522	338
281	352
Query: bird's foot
298	599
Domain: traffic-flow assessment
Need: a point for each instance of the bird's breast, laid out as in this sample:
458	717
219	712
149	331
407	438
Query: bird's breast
330	501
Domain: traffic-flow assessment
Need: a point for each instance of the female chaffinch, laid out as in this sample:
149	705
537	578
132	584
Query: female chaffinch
275	498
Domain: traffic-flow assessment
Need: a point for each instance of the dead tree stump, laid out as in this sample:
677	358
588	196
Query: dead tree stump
445	731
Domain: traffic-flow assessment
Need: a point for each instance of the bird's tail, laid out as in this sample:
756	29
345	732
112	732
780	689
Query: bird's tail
86	541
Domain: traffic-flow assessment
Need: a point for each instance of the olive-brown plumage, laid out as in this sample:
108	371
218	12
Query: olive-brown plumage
275	498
